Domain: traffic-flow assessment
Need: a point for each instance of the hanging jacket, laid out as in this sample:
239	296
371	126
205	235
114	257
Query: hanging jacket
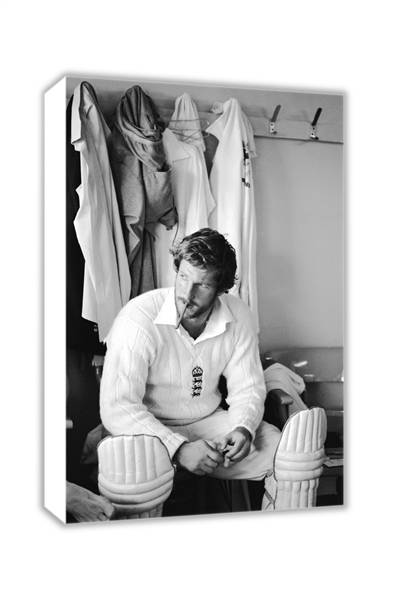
231	182
184	149
97	223
81	334
142	180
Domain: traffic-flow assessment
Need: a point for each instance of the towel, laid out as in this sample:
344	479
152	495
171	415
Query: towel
278	376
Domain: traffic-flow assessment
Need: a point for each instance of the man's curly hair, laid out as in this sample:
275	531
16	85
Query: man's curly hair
205	249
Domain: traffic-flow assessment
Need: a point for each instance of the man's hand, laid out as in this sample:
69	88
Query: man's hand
235	445
200	457
83	505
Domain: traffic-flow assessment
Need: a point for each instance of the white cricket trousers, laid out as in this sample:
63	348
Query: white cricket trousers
257	465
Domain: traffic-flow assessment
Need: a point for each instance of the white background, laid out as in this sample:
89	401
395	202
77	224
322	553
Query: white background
307	45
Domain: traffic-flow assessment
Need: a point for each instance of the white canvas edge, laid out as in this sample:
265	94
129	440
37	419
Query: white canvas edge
55	301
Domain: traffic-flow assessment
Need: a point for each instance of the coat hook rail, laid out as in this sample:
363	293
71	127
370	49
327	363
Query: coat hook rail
285	128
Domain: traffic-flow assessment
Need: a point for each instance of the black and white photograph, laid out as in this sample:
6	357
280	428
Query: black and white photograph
204	299
200	292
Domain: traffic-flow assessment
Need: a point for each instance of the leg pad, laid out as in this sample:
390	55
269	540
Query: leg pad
298	461
135	474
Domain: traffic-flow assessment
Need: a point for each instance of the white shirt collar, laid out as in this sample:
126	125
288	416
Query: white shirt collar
167	314
220	316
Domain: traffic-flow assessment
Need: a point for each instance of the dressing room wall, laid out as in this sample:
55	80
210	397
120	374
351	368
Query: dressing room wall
299	204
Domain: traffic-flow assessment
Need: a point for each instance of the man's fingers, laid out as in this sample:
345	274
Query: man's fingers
223	442
233	451
213	463
213	446
101	504
243	452
207	469
214	455
93	515
210	462
108	509
237	455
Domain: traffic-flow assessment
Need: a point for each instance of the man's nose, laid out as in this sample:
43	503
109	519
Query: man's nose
189	291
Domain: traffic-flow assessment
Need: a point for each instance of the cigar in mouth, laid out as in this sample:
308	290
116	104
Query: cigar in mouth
182	313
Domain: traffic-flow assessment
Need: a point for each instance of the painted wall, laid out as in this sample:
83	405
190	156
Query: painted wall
299	206
300	262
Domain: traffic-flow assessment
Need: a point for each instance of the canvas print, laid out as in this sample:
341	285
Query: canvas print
204	299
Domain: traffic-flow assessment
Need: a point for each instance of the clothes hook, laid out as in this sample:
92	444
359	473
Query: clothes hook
313	134
272	127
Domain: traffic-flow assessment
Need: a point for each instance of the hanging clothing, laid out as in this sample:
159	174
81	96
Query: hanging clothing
81	334
185	122
142	180
98	227
231	182
184	149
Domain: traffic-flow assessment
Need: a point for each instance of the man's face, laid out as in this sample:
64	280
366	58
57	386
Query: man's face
197	285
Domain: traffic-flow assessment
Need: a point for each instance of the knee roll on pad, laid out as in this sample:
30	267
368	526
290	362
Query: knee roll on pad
135	474
299	458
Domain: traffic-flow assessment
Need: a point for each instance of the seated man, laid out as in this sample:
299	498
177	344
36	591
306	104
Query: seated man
166	352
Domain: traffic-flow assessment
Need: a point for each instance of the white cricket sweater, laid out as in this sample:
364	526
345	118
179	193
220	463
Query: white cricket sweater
155	375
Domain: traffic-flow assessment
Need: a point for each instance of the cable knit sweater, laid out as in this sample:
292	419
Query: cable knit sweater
156	375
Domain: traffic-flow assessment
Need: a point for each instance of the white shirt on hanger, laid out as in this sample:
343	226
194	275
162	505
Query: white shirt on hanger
190	185
97	223
231	182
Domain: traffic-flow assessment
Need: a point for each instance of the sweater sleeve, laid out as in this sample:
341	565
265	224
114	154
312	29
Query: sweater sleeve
244	376
130	351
